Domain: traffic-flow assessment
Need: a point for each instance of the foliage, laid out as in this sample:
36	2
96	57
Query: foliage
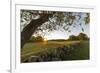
36	39
81	36
73	37
56	20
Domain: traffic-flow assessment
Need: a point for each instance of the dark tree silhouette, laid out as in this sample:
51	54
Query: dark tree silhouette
80	36
83	36
31	27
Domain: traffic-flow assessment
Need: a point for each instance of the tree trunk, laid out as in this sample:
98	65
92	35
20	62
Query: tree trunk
31	27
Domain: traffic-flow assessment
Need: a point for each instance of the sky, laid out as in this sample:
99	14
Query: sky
58	34
62	34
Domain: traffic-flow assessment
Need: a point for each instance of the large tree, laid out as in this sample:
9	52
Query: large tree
34	21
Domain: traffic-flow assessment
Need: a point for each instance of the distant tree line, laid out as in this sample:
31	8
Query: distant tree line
81	36
36	39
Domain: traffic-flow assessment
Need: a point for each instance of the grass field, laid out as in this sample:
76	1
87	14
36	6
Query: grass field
81	51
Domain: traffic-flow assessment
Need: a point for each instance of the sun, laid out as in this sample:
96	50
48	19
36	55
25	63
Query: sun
45	39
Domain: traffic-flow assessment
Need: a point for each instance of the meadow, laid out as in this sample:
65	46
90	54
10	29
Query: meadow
78	50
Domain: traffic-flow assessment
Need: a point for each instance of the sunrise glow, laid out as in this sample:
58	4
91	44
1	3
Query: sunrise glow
45	40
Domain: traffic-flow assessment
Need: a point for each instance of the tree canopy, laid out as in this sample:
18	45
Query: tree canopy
80	36
56	20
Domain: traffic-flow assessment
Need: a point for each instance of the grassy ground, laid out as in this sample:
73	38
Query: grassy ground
81	51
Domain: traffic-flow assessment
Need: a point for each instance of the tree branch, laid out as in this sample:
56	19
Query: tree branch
31	27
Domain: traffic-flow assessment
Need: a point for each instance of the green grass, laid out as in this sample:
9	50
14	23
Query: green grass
81	51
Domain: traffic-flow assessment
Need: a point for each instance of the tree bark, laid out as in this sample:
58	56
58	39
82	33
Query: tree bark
31	27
